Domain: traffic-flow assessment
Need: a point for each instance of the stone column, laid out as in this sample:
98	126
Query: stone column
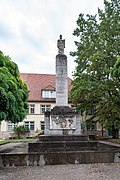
62	120
61	80
61	75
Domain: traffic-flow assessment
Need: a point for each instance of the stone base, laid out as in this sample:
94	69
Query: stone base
58	158
62	143
43	138
54	150
62	120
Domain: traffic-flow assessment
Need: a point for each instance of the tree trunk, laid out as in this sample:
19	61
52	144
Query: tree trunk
19	136
102	131
115	133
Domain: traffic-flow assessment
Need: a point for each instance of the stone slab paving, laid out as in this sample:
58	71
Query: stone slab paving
110	143
23	147
14	147
63	172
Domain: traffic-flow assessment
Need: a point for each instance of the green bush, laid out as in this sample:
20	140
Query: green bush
21	130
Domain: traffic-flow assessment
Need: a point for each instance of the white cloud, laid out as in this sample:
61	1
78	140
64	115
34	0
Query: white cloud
29	30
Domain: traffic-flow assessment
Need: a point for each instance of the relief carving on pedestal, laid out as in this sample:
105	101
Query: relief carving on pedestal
62	122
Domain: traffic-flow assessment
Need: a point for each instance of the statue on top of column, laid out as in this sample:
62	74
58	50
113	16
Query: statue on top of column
61	45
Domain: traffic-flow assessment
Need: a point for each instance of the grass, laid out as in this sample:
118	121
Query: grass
3	142
15	141
30	140
109	139
115	140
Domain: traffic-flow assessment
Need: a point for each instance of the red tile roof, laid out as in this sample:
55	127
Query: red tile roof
37	82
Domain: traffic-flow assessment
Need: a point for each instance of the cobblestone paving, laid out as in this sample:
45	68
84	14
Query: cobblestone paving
63	172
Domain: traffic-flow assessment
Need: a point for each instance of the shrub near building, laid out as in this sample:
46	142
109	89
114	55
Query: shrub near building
21	131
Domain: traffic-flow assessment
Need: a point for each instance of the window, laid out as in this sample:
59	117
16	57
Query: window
30	125
44	108
27	125
10	126
91	111
48	94
42	125
91	125
73	108
31	108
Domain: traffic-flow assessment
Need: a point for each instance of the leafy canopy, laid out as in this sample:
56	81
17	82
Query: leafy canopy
96	77
13	92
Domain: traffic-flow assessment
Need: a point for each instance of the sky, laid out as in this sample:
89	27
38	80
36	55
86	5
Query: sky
29	30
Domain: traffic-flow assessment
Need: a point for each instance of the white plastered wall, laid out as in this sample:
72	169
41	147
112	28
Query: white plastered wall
37	117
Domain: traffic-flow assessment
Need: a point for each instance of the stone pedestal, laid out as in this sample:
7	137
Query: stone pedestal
62	120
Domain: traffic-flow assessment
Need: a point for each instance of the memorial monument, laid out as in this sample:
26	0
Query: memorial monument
62	120
63	142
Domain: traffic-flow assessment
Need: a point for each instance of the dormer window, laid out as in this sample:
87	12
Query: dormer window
48	94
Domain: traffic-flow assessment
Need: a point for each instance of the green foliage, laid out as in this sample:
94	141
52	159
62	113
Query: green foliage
115	71
21	130
13	92
96	79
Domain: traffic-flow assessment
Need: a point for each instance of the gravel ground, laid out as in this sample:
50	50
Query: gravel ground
63	172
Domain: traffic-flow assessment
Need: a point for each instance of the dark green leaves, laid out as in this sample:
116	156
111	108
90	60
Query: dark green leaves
96	79
13	92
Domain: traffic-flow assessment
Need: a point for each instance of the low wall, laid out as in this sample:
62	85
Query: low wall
41	159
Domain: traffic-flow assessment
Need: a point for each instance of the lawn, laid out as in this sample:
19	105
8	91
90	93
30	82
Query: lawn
15	140
115	140
3	142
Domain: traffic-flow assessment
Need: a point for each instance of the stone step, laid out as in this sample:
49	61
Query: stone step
63	138
61	146
52	150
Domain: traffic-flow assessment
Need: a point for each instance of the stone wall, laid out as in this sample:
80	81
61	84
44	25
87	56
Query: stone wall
41	159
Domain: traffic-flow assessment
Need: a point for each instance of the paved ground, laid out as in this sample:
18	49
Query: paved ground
57	172
63	172
23	147
14	147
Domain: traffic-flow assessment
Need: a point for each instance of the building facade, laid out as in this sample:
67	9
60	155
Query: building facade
42	97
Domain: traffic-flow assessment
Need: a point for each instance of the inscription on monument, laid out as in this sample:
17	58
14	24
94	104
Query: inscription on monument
62	122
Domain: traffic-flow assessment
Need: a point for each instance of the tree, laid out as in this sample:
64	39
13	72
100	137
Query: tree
13	92
97	51
115	73
21	130
116	70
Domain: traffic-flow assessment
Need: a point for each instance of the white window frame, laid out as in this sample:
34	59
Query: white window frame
31	108
10	126
44	108
29	125
49	94
42	125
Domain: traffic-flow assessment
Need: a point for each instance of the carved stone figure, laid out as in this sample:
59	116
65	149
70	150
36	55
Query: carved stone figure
61	45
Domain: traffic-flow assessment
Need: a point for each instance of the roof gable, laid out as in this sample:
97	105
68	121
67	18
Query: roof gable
38	82
49	88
